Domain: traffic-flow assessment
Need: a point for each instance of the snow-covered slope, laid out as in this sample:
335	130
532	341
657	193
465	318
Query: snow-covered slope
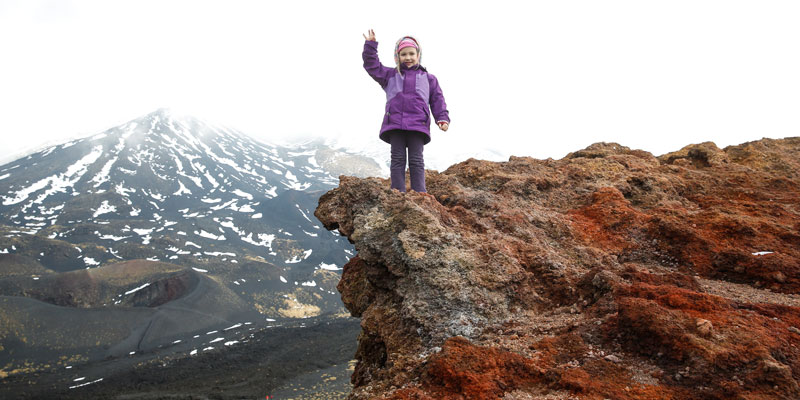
183	191
174	186
154	161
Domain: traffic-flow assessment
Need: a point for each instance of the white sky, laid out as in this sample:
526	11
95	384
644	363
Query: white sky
536	78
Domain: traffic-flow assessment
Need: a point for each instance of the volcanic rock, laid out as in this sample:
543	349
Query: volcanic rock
610	273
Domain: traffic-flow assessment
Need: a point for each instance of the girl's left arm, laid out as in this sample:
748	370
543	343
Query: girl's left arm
436	100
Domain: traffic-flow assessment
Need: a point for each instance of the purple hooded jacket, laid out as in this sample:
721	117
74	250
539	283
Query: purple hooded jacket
408	95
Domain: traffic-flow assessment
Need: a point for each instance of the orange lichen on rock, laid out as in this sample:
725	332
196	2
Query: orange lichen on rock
710	341
463	370
609	274
609	221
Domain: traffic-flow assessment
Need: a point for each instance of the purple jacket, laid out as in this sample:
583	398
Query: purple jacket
408	95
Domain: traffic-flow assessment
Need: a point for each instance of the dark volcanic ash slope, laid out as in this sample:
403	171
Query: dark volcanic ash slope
87	315
607	274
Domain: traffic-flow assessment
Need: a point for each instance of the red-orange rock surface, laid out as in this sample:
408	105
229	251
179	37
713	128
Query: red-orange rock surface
609	274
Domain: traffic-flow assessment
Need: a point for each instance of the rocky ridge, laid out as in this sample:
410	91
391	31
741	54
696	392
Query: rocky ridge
610	273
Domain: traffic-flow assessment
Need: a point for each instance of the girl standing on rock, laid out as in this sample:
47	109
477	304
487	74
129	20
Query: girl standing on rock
410	91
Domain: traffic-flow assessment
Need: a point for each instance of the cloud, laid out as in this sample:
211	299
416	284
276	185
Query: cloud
542	81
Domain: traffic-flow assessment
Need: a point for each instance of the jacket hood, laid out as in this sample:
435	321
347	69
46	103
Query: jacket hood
397	49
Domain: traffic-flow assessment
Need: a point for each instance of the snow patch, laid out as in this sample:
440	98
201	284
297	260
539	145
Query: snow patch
87	383
233	327
240	193
102	176
182	189
304	214
137	289
265	240
329	267
221	206
104	208
297	259
110	237
208	235
143	232
211	179
178	251
218	253
57	183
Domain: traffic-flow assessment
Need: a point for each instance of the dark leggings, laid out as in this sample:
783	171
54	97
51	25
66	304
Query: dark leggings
414	142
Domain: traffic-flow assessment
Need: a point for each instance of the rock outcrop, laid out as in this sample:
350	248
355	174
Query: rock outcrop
607	274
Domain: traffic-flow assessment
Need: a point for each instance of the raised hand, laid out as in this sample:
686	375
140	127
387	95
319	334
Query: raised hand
371	36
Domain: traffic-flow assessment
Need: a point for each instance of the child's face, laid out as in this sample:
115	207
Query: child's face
408	56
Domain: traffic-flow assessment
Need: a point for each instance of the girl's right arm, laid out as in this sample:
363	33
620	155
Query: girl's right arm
372	64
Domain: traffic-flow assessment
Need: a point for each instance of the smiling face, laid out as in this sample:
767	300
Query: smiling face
408	56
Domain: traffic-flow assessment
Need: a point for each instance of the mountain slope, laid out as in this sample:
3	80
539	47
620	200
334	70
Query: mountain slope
170	226
175	187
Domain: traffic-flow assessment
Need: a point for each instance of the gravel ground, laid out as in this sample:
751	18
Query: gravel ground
302	362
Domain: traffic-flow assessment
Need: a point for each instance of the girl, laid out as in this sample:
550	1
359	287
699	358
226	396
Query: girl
410	90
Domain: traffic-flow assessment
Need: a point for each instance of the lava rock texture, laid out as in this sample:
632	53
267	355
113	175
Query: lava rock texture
610	273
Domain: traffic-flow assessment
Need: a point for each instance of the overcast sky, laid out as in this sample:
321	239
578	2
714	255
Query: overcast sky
539	78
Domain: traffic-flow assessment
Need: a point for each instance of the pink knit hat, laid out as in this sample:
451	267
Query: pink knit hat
406	41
